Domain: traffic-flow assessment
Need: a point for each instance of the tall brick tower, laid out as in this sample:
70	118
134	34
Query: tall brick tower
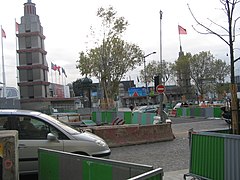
33	68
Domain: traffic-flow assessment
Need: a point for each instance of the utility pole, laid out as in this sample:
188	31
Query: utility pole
145	74
161	70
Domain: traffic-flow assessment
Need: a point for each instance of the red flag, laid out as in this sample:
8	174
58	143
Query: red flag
181	30
3	34
53	66
17	26
58	68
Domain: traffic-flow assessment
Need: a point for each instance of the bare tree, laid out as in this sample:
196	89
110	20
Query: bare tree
152	70
229	38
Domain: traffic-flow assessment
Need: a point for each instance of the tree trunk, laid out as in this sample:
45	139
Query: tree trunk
234	109
233	87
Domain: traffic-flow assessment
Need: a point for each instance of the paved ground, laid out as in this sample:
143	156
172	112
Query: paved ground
172	156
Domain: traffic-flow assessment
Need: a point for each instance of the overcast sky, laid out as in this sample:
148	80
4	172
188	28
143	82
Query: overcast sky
66	25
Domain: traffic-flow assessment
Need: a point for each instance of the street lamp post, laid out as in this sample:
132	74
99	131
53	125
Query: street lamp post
161	69
145	73
161	63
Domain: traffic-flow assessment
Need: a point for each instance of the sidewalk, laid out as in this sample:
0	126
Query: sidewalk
175	175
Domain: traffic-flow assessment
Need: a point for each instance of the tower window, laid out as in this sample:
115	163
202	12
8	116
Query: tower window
30	92
28	42
30	75
29	58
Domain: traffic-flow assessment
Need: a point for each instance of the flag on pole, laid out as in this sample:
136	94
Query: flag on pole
17	27
58	68
137	78
53	66
181	30
3	33
63	72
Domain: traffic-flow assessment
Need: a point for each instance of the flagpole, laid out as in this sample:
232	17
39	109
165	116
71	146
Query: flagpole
3	68
62	81
180	41
55	77
59	77
16	40
51	74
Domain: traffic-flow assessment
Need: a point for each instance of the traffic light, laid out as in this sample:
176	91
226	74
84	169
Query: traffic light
156	82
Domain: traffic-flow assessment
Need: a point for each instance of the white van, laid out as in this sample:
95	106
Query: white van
36	130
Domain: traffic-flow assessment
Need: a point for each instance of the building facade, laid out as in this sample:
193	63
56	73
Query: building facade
33	68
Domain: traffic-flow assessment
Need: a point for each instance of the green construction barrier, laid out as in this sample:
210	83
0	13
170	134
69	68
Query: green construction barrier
187	111
207	158
128	116
199	112
107	117
94	116
135	119
214	155
179	112
217	112
58	165
143	118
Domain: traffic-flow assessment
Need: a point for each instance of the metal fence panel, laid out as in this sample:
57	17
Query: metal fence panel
209	112
207	156
232	158
57	165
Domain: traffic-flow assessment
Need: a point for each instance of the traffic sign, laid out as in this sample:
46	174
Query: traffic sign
160	89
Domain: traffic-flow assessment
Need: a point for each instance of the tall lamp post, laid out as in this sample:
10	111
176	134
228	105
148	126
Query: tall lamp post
161	61
145	73
161	69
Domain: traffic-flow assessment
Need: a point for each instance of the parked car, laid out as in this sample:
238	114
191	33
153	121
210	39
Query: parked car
154	109
204	103
36	130
147	109
178	105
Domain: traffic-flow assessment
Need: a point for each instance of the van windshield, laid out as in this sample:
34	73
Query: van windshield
62	125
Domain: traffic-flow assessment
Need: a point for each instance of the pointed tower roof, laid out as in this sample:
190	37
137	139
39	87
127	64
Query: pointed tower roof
29	8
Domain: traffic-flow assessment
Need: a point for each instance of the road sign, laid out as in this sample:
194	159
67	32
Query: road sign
160	89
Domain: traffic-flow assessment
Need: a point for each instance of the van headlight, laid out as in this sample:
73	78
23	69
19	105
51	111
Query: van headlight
100	143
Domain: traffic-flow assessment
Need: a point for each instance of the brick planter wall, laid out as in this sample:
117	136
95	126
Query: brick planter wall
121	135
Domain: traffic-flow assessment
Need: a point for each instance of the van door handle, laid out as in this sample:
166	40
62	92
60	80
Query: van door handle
22	146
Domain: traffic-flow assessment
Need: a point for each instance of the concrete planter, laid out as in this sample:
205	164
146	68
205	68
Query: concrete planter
122	135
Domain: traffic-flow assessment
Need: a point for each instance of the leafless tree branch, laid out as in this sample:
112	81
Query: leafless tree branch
219	26
209	31
237	59
234	26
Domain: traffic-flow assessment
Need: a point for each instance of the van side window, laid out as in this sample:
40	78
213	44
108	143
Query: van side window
3	122
30	127
9	123
34	128
28	130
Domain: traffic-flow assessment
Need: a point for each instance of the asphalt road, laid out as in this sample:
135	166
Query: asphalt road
169	155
